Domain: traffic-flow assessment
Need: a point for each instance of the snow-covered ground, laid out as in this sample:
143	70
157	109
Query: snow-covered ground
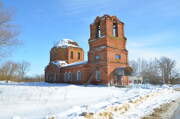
64	101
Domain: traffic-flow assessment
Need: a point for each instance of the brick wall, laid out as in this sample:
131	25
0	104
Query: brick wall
106	46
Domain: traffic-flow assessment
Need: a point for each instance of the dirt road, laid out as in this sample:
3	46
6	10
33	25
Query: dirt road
166	111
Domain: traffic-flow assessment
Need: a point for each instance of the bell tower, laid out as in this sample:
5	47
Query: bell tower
106	38
107	45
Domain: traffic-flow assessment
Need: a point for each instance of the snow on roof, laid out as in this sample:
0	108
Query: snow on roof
62	63
76	63
59	63
66	43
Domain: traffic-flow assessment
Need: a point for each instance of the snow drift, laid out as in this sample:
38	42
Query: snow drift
64	101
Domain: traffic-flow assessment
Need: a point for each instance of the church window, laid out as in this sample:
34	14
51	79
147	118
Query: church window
115	32
51	77
79	55
117	57
97	57
55	77
65	76
98	31
98	75
79	73
69	76
72	54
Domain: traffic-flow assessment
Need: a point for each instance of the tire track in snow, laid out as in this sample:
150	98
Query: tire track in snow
112	112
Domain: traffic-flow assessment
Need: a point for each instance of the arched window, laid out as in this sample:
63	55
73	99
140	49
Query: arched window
79	73
65	76
98	31
69	76
98	75
79	55
72	54
51	77
115	32
55	77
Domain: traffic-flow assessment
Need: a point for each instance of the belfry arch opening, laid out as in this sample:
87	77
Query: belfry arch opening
115	30
98	31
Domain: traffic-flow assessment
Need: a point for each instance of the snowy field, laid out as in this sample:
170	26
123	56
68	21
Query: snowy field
63	101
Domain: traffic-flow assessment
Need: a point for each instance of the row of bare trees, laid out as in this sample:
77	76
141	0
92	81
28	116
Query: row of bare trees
13	70
17	72
162	70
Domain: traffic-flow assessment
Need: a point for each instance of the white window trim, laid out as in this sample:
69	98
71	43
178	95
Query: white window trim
97	71
69	76
79	77
65	76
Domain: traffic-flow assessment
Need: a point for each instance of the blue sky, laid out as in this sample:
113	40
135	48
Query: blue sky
151	26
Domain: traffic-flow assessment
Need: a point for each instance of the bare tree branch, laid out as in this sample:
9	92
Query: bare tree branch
23	68
166	66
8	31
11	70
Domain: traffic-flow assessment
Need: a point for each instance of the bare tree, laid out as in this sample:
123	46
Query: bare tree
161	70
148	69
134	65
9	70
13	71
8	31
151	72
23	68
167	67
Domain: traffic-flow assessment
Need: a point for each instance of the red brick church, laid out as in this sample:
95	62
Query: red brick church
107	57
